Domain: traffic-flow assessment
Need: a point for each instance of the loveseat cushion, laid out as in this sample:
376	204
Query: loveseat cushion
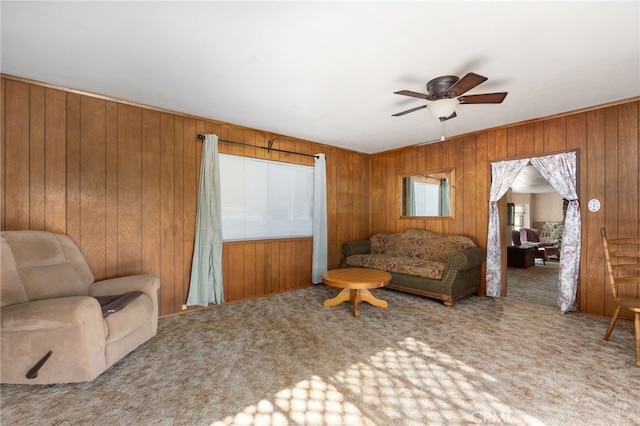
399	264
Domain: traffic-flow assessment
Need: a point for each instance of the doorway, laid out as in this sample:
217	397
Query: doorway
560	171
535	209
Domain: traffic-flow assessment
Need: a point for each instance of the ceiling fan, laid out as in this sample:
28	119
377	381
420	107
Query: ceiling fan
446	93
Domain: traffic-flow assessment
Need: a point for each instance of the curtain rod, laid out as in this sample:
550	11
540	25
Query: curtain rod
268	148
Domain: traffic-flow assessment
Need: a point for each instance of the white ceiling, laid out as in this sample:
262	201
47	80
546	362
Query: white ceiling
326	71
530	181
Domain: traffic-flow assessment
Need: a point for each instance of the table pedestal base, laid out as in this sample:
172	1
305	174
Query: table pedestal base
355	296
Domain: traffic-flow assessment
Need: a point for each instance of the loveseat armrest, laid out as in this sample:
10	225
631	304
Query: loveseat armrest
148	284
473	257
356	247
462	273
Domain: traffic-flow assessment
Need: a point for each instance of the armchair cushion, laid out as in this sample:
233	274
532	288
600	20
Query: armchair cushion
38	282
48	265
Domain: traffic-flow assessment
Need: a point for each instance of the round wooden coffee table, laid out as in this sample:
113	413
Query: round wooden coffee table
355	283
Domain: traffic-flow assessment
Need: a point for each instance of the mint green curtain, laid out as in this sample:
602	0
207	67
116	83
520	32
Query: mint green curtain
410	196
320	250
206	269
444	197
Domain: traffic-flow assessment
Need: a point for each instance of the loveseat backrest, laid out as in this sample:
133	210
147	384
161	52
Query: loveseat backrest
393	244
447	245
419	244
40	265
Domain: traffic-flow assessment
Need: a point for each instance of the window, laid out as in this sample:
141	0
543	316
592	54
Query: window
518	217
265	199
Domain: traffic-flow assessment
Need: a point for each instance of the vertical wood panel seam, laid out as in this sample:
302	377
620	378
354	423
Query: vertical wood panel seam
3	98
28	171
44	142
80	172
117	193
106	193
140	181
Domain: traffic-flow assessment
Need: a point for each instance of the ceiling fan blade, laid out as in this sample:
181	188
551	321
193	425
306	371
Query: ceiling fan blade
465	84
486	98
408	111
411	93
454	115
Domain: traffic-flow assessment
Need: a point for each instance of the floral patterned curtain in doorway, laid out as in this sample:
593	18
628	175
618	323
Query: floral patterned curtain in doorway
502	176
560	171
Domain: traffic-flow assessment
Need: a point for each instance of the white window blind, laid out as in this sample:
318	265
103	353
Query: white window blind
265	199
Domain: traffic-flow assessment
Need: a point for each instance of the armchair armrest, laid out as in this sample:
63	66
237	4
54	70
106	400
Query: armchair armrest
70	328
50	314
356	247
148	284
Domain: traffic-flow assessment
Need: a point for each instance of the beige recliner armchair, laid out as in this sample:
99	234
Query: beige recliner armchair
53	329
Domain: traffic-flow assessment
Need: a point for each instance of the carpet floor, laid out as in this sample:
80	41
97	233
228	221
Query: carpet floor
286	360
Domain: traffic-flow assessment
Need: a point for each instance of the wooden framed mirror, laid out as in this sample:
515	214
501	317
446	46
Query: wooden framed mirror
428	194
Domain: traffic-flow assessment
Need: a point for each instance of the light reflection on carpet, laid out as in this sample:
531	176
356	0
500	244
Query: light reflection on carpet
410	381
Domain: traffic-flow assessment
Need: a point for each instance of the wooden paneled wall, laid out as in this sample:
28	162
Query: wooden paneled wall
121	180
607	141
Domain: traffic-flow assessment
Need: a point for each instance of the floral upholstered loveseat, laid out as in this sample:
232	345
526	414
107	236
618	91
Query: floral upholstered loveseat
421	262
550	232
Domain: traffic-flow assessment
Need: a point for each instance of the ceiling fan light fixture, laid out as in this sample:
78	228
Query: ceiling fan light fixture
443	108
